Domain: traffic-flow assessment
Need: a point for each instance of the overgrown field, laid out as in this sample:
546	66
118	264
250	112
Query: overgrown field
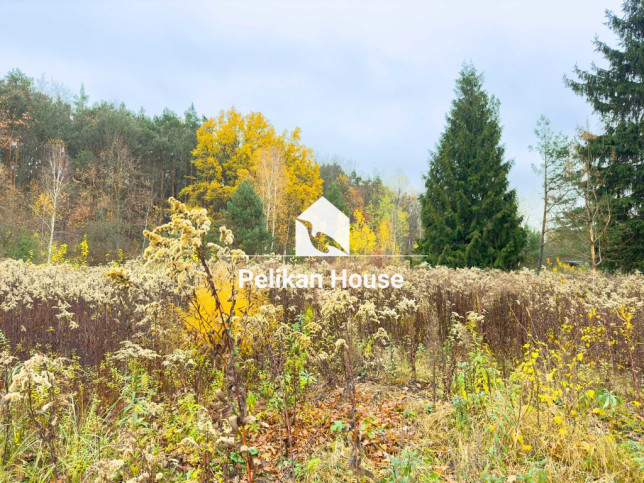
166	372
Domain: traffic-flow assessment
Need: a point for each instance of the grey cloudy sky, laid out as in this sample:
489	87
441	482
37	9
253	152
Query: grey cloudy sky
367	81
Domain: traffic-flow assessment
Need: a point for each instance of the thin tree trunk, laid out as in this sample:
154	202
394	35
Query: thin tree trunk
542	241
288	233
593	257
591	219
274	214
51	231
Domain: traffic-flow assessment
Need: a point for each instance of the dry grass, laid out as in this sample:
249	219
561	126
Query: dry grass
461	375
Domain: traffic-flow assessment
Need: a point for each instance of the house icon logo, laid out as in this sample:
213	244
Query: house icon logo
325	225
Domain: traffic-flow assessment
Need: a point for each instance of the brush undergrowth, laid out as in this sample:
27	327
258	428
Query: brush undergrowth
169	372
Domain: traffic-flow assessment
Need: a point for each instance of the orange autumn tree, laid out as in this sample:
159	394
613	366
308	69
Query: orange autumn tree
234	147
304	186
223	157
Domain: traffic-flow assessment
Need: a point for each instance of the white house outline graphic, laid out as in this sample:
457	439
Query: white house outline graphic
324	218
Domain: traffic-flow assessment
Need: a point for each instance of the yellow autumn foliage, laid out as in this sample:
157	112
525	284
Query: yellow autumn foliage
363	240
232	148
206	317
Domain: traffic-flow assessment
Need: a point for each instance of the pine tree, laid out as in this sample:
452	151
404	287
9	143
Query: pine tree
245	217
554	151
616	93
468	212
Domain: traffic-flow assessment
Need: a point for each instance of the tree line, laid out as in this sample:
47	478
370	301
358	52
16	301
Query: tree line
93	177
592	185
83	181
114	169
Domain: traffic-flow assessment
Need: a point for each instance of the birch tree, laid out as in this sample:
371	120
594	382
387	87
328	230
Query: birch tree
589	215
270	183
55	180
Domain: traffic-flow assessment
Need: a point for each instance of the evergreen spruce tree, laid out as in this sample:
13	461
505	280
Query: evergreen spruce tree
245	217
616	93
334	195
470	217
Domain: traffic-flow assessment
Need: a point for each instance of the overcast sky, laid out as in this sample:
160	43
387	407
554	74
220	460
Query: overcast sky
367	81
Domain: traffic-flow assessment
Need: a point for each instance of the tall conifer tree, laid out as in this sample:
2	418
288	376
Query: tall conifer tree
245	217
616	93
469	214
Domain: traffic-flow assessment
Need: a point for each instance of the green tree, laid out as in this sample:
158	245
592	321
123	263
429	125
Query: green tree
616	93
159	162
469	214
585	219
28	119
169	142
554	151
245	217
334	195
531	252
